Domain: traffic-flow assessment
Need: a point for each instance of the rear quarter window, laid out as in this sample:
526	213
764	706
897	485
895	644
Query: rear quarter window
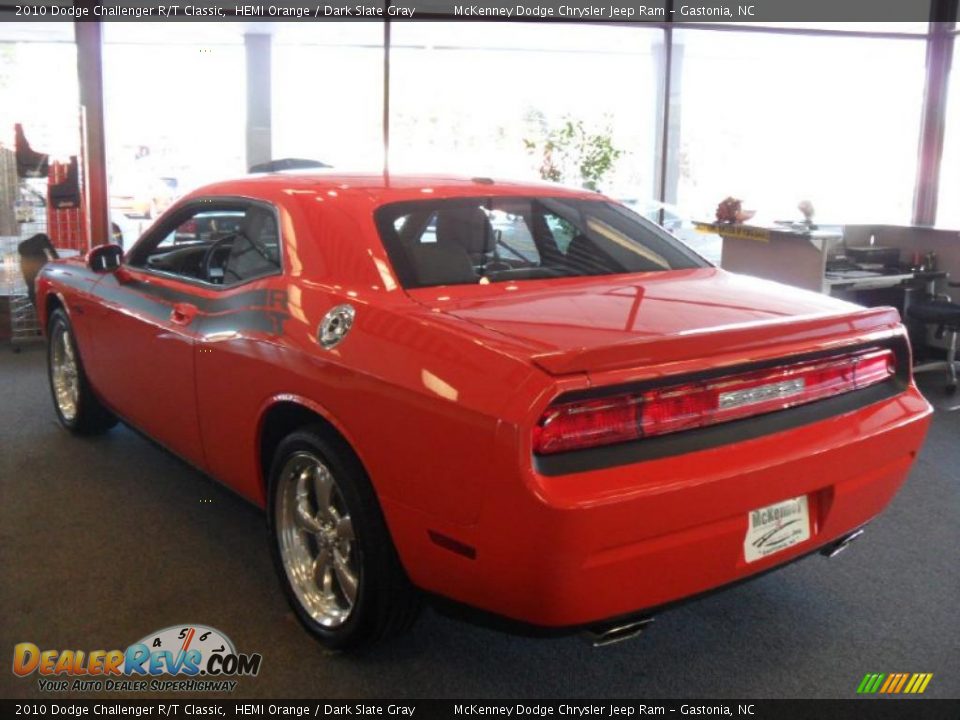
494	239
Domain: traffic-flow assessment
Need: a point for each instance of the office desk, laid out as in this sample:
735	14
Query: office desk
857	280
798	256
788	254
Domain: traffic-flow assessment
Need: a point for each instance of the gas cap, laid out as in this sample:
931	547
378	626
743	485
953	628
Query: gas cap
335	326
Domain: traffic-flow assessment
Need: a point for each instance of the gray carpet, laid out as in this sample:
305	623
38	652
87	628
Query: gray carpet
105	540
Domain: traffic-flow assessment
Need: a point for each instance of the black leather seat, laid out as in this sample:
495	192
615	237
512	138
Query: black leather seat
945	315
465	241
936	312
436	264
468	228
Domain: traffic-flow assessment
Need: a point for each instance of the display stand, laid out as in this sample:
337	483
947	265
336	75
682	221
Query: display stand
66	226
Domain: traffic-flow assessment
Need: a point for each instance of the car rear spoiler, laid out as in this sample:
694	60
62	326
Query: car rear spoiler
748	341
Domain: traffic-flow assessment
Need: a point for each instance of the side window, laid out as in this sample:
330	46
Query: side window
563	231
203	227
255	249
223	246
514	242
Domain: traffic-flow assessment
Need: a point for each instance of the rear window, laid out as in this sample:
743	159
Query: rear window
479	240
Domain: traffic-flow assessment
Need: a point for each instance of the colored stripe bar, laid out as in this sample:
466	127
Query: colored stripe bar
894	683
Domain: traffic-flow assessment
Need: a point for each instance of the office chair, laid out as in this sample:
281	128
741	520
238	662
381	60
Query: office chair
30	163
940	311
34	254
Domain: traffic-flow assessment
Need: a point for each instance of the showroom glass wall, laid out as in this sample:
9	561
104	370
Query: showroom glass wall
38	88
776	118
831	114
175	108
471	97
768	116
328	93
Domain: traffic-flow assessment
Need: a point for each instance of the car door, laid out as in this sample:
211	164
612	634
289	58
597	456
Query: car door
147	333
238	353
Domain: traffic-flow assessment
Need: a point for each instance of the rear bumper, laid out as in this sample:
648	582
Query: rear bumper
581	548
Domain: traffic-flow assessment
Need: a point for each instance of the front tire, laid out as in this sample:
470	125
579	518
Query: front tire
330	543
77	408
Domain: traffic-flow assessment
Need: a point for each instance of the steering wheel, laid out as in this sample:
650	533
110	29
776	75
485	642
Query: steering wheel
209	256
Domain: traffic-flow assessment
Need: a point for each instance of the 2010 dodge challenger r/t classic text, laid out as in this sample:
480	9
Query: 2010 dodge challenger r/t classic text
520	397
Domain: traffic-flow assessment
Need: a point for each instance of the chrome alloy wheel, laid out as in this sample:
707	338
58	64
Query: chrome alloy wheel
317	544
66	377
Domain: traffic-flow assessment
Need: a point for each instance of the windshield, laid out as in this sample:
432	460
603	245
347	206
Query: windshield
478	240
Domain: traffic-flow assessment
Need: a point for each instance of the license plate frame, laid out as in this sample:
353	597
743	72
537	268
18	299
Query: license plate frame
774	528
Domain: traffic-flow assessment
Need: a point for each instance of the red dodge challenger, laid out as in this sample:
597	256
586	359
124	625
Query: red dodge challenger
523	398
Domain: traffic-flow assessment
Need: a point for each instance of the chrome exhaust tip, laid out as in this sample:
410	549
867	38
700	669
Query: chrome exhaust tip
834	549
614	634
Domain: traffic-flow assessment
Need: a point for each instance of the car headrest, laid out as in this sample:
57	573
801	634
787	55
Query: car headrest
253	222
467	227
438	264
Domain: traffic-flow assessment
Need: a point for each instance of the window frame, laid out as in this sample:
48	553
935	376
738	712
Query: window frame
152	238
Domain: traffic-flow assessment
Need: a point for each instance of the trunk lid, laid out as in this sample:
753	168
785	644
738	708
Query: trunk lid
607	323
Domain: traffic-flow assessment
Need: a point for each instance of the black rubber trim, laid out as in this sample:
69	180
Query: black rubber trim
727	433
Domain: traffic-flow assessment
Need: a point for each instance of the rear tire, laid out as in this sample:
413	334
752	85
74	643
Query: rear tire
331	546
77	408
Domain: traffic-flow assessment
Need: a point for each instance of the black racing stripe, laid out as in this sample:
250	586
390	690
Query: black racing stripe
262	321
253	311
69	278
111	292
239	301
238	314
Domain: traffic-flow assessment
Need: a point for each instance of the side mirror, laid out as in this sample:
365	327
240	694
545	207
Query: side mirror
104	258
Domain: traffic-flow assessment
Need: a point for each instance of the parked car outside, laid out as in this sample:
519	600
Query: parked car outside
137	197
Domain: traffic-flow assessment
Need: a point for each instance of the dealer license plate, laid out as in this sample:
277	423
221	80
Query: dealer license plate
776	527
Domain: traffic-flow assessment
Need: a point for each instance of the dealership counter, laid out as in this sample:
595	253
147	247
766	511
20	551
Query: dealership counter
791	254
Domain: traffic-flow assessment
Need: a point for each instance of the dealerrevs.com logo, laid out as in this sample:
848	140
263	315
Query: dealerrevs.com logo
202	658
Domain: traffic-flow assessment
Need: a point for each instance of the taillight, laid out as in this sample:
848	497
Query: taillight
669	409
